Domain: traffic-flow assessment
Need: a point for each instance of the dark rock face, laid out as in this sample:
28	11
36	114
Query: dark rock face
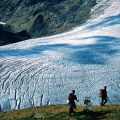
44	17
7	36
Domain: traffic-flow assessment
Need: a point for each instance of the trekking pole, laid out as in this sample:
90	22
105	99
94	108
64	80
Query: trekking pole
79	103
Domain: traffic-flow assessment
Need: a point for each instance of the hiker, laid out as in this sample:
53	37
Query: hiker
0	108
71	102
104	96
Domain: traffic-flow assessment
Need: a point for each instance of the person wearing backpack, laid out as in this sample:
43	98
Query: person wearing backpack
103	95
71	102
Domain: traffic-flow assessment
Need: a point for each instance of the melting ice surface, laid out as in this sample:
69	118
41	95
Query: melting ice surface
43	71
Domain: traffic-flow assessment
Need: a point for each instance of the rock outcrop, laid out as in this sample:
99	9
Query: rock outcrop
7	36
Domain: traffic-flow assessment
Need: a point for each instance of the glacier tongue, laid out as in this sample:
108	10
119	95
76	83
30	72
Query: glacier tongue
43	71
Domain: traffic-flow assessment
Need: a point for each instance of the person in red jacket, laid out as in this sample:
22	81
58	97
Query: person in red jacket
72	97
104	96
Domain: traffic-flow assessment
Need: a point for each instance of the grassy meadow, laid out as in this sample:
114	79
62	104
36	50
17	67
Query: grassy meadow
60	112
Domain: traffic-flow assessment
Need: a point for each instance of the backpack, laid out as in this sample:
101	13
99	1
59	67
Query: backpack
101	92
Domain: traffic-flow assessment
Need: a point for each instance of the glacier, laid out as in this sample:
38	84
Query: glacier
43	71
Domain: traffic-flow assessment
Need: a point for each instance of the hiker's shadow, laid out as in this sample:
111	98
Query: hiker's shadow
91	113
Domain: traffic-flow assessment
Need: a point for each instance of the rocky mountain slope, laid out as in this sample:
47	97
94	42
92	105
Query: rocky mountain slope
43	17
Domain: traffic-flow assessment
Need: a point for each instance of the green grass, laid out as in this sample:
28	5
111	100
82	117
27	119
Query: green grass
60	112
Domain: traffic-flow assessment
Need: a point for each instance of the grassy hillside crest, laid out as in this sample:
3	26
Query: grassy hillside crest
60	112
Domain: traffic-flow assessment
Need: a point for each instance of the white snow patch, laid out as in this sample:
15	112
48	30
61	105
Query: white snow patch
2	23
